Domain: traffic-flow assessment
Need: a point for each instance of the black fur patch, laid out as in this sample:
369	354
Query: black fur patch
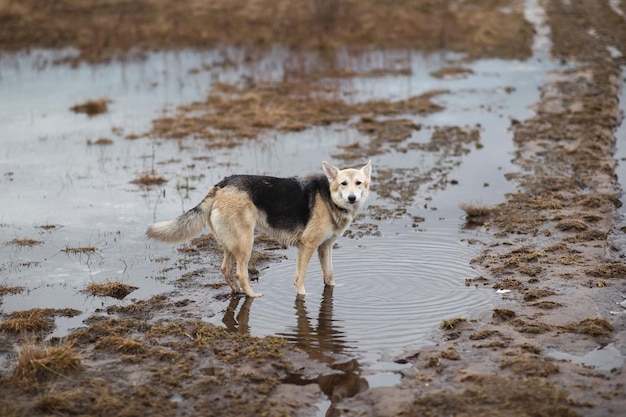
288	202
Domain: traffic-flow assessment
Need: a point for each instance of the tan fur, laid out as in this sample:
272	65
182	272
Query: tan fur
233	218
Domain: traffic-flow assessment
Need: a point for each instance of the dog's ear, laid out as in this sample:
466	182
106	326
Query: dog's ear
330	171
367	169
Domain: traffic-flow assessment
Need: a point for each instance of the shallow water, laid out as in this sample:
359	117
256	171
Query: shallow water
392	290
605	358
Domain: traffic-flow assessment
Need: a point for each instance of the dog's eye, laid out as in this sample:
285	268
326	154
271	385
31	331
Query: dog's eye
358	183
344	183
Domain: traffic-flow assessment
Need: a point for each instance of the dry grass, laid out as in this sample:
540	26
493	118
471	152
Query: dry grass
530	328
28	321
104	30
476	210
530	366
49	226
92	107
25	242
451	72
100	142
493	395
594	326
232	113
4	290
450	354
100	327
108	288
35	320
503	314
476	280
79	249
36	364
452	323
508	284
571	225
608	270
483	334
148	180
537	293
547	305
120	344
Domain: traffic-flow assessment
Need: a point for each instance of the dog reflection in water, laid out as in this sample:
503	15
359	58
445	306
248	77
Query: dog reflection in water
238	323
322	342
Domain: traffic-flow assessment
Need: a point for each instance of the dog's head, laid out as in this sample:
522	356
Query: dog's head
349	188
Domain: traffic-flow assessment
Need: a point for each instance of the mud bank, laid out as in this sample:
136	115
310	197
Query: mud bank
556	343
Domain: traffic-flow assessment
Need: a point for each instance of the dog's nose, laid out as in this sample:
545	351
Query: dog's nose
352	199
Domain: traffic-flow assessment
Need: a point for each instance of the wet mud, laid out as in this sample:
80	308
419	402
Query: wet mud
553	344
554	254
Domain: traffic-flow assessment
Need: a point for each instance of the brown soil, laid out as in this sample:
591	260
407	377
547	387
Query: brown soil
554	242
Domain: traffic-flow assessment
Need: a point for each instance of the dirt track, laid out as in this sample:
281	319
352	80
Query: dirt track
557	245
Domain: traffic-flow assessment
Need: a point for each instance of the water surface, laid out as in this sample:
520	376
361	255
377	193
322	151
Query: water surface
393	287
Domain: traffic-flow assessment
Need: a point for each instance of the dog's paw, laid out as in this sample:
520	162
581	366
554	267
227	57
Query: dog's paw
254	294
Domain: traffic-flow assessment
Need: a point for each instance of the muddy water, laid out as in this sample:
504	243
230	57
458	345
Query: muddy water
393	287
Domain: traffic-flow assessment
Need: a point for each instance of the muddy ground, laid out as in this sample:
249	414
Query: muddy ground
555	250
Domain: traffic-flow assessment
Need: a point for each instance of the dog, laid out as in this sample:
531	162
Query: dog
309	213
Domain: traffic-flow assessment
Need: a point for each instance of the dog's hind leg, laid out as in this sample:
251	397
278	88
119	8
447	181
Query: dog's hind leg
325	252
239	250
232	220
227	270
242	256
238	238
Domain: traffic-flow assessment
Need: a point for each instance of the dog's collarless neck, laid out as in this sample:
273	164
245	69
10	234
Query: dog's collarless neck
342	217
341	209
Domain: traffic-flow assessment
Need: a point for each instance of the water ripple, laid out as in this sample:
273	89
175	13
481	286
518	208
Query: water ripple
390	293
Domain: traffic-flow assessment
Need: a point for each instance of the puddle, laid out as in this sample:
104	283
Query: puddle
604	358
378	306
392	290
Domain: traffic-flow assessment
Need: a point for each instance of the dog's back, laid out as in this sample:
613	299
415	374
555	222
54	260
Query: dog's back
285	203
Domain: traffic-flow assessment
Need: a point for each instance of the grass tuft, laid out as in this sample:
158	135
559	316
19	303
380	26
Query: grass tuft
452	323
4	290
148	180
108	288
476	210
37	364
92	107
81	249
593	326
119	344
25	242
28	321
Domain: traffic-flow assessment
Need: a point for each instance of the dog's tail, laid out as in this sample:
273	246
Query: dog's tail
185	226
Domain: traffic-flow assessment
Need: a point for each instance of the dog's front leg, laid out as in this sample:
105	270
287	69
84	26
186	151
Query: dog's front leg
325	252
304	258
